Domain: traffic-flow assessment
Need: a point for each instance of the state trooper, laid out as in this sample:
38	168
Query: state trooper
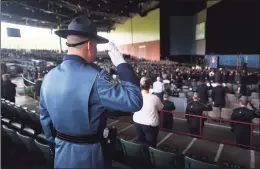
196	108
243	114
75	95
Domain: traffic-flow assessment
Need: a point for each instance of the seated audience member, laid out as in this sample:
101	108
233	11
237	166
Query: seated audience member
167	116
218	96
8	90
146	120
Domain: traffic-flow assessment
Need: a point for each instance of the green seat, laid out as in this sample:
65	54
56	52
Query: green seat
162	159
192	163
136	155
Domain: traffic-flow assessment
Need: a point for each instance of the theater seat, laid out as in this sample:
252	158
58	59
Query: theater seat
192	163
36	124
215	113
5	121
3	107
190	94
230	87
182	95
11	132
226	113
44	147
161	159
136	155
12	110
27	136
23	115
255	95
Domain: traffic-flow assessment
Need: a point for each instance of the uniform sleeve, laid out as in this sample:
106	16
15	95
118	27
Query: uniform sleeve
125	96
45	120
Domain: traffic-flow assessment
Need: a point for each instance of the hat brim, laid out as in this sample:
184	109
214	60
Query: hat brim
65	33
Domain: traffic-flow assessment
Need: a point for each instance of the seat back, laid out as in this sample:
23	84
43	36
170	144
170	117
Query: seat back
161	159
23	115
136	155
3	107
190	94
226	113
27	137
11	133
192	163
230	87
255	95
215	113
235	87
36	124
182	95
45	149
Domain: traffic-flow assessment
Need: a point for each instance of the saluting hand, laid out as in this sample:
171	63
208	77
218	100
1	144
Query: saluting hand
115	55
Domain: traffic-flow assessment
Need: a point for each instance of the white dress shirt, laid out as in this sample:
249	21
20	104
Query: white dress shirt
158	87
149	114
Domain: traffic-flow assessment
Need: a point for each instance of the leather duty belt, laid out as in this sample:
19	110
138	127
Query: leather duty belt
89	139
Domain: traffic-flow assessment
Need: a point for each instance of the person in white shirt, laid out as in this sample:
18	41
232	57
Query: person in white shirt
146	120
158	88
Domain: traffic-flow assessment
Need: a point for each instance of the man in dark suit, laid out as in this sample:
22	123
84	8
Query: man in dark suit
218	76
202	90
167	117
196	108
218	95
243	114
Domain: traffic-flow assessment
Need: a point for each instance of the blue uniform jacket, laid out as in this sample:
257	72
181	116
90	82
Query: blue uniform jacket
74	97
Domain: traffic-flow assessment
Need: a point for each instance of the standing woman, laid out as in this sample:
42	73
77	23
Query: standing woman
146	120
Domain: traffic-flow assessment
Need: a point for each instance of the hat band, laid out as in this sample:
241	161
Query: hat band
76	44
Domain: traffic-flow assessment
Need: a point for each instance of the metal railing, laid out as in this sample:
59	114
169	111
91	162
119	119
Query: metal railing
28	81
200	135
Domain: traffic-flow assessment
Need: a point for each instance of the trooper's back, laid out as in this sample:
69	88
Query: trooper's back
242	114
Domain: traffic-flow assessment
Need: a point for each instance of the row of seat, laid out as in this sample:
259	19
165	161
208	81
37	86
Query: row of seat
26	137
20	114
141	156
18	126
22	128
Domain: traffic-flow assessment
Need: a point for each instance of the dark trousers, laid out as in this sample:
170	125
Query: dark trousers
167	121
243	139
194	125
146	134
